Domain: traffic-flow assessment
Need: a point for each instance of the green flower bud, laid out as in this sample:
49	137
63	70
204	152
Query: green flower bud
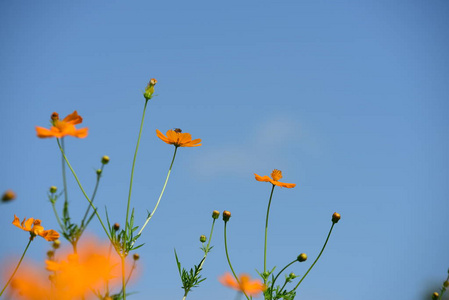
302	257
149	90
105	159
226	215
99	171
203	238
336	217
215	214
435	296
53	189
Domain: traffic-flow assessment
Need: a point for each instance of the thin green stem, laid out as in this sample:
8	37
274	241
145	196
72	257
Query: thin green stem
57	216
229	261
275	278
162	193
64	181
93	196
266	234
82	190
133	166
17	267
318	257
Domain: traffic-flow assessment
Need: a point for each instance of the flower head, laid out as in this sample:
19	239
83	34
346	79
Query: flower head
179	139
35	228
149	90
276	175
61	128
244	284
8	196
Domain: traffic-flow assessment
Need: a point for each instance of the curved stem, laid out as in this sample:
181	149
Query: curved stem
123	276
17	267
93	197
266	233
160	196
275	278
133	166
82	190
318	257
229	261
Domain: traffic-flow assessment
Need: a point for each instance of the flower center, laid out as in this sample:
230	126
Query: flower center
276	174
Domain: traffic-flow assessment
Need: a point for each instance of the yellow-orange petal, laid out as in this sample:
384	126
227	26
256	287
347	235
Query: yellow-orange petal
73	118
173	137
162	136
194	143
50	235
283	184
228	280
81	133
44	132
263	178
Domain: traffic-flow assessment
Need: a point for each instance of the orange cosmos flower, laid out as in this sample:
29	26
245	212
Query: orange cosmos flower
179	139
275	176
35	228
64	127
244	285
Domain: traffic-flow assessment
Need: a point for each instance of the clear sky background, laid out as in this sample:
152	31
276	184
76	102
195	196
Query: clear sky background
348	98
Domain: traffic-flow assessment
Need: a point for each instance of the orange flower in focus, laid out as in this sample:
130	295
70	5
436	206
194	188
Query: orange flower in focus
64	127
276	175
244	285
35	228
74	276
179	139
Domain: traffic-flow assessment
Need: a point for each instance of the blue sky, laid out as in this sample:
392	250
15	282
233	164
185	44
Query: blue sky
347	98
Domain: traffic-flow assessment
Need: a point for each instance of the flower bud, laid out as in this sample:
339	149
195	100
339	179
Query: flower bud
292	276
203	238
265	275
105	159
53	189
302	257
336	217
149	90
50	254
215	214
116	226
226	215
56	244
99	171
8	196
446	283
136	256
54	117
435	296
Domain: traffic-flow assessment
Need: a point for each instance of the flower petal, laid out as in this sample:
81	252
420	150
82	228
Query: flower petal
263	178
73	118
50	235
283	184
162	136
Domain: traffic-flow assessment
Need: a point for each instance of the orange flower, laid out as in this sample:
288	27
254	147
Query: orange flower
35	228
64	127
275	176
72	276
244	285
179	139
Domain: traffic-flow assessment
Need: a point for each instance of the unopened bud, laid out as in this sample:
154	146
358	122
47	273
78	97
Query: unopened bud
136	256
302	257
226	215
265	274
149	90
53	189
446	283
99	171
50	254
8	196
336	217
116	226
215	214
203	238
435	296
54	117
56	244
105	159
292	276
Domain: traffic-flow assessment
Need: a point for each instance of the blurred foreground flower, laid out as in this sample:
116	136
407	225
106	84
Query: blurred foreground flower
35	228
74	276
245	284
276	175
64	127
179	139
8	196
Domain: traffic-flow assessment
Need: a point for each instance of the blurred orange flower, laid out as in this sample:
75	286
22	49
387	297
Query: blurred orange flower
73	276
179	139
63	127
244	285
276	175
35	228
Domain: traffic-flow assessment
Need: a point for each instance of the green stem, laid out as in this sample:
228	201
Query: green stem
229	261
82	189
275	278
266	234
57	216
321	252
17	267
132	168
64	181
92	198
160	196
